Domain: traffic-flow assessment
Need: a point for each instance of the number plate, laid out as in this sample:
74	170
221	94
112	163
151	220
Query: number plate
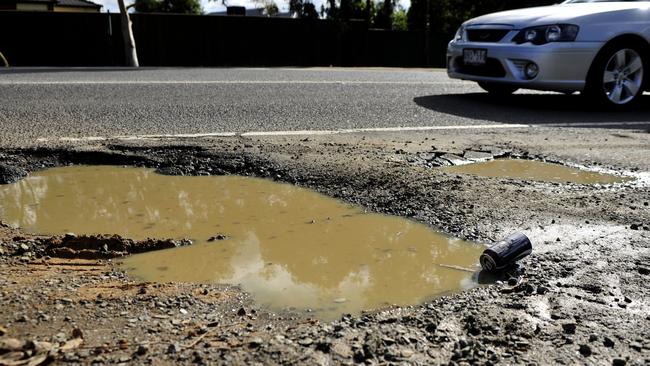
474	56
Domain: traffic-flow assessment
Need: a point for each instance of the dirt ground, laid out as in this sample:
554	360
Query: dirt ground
580	298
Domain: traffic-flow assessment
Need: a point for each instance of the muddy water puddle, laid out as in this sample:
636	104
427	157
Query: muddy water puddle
289	247
535	171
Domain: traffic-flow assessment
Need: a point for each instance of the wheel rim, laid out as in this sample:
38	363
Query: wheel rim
623	77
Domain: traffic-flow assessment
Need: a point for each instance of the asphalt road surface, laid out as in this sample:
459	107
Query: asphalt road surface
38	104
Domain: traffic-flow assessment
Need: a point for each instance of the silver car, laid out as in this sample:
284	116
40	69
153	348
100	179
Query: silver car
599	48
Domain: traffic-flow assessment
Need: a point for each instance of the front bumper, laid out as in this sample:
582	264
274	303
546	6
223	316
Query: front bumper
562	66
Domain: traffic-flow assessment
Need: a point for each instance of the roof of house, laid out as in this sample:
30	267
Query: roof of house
78	3
33	1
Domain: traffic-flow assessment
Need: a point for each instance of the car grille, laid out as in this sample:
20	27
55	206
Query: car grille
492	68
486	35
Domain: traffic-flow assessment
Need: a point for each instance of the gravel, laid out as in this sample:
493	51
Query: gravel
564	293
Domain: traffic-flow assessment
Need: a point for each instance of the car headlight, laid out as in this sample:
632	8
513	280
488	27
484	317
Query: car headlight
548	33
460	34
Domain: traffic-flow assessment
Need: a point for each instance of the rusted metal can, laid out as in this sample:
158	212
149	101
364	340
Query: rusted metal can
506	252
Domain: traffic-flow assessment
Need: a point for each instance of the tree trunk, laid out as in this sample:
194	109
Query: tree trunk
5	63
130	53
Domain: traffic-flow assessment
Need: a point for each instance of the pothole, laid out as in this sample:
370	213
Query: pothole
535	171
289	247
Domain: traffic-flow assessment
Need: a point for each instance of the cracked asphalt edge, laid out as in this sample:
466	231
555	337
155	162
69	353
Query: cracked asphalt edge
583	296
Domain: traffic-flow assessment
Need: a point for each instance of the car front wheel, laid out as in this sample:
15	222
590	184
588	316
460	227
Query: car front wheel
617	76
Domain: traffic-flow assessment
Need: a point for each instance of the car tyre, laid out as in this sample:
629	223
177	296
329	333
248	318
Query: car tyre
618	75
498	89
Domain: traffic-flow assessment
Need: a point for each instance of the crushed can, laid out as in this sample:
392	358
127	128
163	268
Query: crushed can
506	252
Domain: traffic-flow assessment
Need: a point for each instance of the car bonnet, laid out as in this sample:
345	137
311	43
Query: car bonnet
561	13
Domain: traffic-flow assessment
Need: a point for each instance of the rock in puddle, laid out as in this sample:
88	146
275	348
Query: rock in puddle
104	246
218	237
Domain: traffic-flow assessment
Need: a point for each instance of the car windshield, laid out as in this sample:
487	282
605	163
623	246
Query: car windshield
597	1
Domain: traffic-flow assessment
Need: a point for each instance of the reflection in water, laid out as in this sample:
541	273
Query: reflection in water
535	171
288	246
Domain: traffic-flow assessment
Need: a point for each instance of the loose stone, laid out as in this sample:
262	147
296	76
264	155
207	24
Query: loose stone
608	342
569	328
585	350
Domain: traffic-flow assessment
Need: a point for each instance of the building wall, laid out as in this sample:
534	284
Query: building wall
32	7
72	9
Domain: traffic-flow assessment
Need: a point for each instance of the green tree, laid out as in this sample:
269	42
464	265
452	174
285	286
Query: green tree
348	9
184	6
399	20
384	17
303	9
295	6
446	15
147	6
168	6
309	11
358	9
269	6
345	9
332	11
271	9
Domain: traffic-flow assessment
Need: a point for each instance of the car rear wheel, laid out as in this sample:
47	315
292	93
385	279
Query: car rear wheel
498	89
617	76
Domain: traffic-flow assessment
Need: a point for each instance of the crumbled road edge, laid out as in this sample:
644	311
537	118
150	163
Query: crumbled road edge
583	297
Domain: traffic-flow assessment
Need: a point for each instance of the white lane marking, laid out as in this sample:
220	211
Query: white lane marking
594	124
331	132
383	129
231	82
284	133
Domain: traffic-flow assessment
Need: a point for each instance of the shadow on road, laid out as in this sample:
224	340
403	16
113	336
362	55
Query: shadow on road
551	109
